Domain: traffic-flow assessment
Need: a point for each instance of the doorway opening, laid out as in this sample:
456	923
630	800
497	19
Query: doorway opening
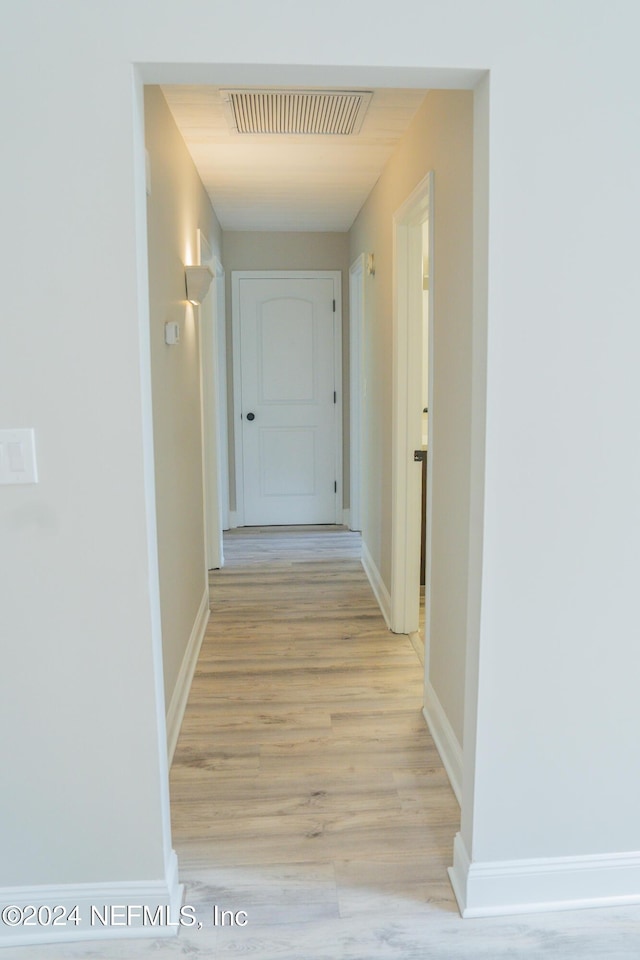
407	398
413	351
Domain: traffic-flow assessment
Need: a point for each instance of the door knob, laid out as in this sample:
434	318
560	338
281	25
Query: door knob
251	416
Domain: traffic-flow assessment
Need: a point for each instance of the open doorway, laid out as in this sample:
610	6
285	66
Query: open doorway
377	452
419	639
413	225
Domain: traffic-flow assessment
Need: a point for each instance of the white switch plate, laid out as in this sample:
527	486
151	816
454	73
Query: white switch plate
18	457
172	333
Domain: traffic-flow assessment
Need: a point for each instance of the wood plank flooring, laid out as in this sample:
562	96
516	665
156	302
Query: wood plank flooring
307	792
303	747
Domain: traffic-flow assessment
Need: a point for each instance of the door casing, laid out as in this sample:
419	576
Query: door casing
407	410
214	408
356	389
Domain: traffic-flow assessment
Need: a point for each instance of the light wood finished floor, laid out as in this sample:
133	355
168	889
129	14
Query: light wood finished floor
307	791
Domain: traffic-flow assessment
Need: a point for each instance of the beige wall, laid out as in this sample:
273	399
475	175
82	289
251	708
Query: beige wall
176	208
244	250
439	139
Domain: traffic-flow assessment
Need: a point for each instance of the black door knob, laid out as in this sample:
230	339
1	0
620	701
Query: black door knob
251	416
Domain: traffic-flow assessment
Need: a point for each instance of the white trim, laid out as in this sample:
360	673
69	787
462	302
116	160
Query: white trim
236	517
444	738
407	407
377	584
215	464
346	518
357	408
205	314
338	387
149	472
222	407
506	887
236	277
431	444
166	894
180	694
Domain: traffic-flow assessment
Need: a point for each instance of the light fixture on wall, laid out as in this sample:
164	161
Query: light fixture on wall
371	265
197	282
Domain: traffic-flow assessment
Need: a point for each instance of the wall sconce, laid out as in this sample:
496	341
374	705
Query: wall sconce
197	282
371	265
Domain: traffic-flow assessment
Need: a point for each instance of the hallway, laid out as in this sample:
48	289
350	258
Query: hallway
306	790
304	770
307	796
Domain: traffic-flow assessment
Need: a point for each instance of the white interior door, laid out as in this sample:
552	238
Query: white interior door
288	399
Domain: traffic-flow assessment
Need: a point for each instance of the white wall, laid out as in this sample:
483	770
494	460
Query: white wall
288	250
552	732
84	796
177	207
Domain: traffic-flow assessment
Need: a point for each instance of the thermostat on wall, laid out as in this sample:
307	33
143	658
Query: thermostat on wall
172	333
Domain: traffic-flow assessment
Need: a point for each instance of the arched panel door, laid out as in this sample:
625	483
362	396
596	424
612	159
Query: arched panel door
288	397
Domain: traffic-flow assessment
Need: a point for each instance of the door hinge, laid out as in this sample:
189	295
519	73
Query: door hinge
335	397
335	486
334	306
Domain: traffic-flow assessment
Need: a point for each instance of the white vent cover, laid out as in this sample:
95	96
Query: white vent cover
328	112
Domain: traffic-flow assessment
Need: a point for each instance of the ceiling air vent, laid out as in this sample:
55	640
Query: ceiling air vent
306	112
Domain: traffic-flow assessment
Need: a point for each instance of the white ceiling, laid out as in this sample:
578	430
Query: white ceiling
265	182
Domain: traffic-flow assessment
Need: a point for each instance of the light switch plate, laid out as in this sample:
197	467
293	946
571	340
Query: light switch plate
18	457
172	333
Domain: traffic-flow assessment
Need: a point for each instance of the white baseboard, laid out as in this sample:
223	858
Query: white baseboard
110	901
178	703
233	520
543	885
444	738
346	518
377	584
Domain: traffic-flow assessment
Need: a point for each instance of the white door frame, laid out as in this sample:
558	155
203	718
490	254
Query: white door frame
407	409
214	408
236	277
221	392
356	331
